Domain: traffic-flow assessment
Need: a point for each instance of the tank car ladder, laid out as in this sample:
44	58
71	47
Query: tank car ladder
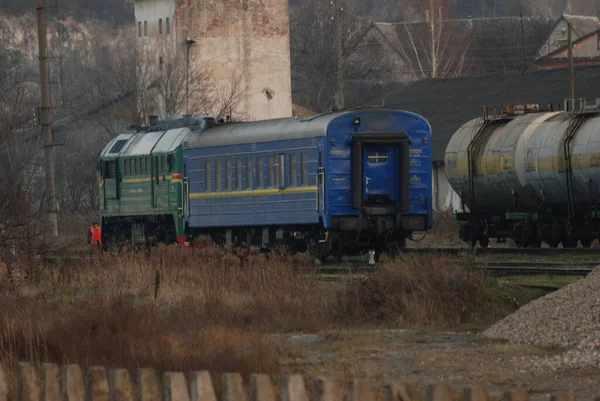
471	172
574	124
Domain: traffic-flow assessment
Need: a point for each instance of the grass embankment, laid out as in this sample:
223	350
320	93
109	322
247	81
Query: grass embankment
210	308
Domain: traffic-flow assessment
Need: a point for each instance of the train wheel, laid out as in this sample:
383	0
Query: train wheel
586	242
569	243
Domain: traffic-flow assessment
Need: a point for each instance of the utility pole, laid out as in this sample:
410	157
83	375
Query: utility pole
189	42
340	61
47	119
571	68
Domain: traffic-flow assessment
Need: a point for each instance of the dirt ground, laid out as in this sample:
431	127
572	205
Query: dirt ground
459	359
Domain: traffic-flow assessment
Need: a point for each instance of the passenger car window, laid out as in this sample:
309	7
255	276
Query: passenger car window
249	174
377	157
208	176
260	173
271	171
304	160
238	176
228	174
293	171
219	169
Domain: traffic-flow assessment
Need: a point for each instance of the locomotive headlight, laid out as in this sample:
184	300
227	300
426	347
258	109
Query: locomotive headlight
357	122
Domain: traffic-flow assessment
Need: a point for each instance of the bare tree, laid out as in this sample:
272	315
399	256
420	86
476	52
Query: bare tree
433	47
21	201
314	65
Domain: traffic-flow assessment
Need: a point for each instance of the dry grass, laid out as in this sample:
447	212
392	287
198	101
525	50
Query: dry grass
211	308
443	233
425	292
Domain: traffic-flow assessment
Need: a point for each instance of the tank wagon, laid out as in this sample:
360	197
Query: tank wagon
529	175
337	183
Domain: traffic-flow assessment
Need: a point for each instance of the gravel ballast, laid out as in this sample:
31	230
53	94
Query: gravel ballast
568	318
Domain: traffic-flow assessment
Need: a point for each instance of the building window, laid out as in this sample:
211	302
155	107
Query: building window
168	26
145	28
208	177
238	175
293	171
228	174
140	29
304	161
160	26
219	175
260	173
249	174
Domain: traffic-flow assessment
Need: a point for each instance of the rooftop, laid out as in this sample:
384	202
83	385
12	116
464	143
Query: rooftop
448	103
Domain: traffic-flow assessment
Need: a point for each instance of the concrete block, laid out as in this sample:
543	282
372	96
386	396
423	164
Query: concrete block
360	390
516	395
397	392
293	389
261	388
51	390
233	388
564	396
119	384
201	387
72	383
325	389
3	385
148	386
175	387
97	384
28	383
439	392
475	393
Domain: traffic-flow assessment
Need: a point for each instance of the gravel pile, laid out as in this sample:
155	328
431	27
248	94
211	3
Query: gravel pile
569	318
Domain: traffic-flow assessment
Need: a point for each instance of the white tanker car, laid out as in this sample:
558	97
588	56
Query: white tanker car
528	175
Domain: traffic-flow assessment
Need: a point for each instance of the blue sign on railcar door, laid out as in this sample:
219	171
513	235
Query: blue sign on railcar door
379	179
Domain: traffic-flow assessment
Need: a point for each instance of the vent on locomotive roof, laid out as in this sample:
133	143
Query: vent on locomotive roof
118	146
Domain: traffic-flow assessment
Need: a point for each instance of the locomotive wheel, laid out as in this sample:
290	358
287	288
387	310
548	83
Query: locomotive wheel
569	243
586	242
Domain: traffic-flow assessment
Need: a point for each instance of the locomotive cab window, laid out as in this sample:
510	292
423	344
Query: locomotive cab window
377	157
110	169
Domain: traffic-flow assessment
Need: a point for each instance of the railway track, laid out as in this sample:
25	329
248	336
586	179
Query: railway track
501	251
356	268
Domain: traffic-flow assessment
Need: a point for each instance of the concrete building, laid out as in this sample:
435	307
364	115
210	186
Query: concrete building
244	45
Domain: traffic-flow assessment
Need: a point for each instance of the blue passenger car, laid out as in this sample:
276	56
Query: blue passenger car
340	183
